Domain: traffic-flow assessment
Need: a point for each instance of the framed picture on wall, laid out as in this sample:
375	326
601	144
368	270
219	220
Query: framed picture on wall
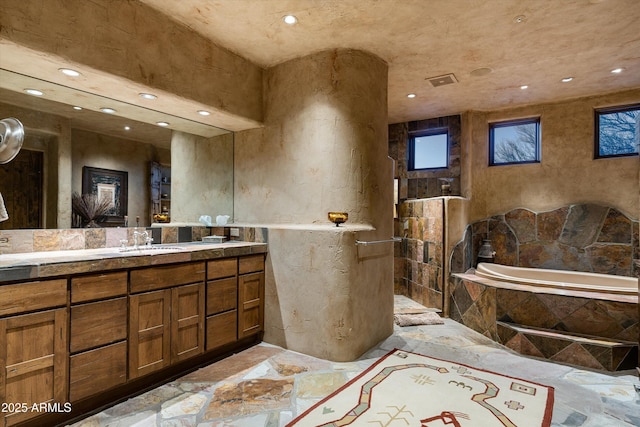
111	184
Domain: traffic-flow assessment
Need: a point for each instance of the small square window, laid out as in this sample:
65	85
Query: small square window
515	141
429	150
617	131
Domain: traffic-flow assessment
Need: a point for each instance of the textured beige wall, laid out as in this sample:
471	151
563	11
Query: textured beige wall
201	177
567	173
323	148
101	151
128	45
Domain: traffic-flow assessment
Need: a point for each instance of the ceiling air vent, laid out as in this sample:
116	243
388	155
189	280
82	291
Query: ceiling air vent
446	79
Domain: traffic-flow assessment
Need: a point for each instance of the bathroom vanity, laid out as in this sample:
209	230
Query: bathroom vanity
82	329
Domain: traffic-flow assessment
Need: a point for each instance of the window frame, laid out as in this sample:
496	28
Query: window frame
596	129
515	122
412	148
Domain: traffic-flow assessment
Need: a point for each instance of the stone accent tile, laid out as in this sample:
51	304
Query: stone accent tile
507	300
623	358
320	385
574	354
629	334
248	397
582	225
550	224
232	366
487	307
554	256
95	238
57	240
547	345
169	234
616	228
593	319
610	259
462	297
504	242
532	312
527	348
474	289
561	305
114	236
523	223
504	333
17	241
474	320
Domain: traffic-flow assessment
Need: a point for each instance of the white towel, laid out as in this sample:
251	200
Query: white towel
3	210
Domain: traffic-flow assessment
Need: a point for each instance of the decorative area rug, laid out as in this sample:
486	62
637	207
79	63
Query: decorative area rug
408	389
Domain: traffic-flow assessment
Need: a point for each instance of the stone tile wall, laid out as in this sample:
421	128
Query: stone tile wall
418	259
425	184
21	241
582	237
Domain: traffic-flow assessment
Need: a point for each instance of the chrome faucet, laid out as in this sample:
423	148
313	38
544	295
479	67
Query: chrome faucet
146	238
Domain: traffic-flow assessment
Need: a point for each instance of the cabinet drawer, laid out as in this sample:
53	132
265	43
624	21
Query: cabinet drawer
98	286
98	323
153	278
249	264
222	268
221	329
222	295
30	296
97	370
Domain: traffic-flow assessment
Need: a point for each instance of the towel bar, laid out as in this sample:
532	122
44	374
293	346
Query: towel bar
373	242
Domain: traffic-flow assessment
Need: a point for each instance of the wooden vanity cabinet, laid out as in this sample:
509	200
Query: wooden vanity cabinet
33	346
97	344
250	295
222	302
166	316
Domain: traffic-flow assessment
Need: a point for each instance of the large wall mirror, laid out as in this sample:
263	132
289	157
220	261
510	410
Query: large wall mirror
67	131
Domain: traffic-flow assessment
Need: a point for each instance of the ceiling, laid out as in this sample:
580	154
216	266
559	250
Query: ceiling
492	47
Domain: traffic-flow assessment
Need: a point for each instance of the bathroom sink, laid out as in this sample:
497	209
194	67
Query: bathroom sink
151	249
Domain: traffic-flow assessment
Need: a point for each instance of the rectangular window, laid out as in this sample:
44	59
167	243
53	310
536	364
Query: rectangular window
514	141
617	131
429	150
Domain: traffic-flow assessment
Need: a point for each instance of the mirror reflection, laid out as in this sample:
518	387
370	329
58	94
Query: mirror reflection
173	174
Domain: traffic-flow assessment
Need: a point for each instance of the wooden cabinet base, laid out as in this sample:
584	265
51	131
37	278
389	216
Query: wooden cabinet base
88	406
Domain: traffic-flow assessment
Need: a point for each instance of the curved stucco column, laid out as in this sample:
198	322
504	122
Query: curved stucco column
323	148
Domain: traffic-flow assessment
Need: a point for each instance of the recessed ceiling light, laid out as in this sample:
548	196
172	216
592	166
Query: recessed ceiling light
479	72
290	19
69	72
163	124
411	95
127	128
203	112
520	19
107	110
567	79
77	108
616	70
34	92
147	96
523	87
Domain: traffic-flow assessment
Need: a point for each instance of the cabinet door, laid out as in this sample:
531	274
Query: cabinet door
98	323
33	360
97	370
187	321
251	304
149	329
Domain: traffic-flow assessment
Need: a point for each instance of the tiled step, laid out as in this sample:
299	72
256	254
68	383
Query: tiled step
564	347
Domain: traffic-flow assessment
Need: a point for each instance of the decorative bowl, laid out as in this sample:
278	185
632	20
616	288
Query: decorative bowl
161	217
338	217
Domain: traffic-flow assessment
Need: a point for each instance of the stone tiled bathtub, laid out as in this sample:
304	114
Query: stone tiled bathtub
589	326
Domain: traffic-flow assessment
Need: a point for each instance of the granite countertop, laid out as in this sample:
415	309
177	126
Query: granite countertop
36	265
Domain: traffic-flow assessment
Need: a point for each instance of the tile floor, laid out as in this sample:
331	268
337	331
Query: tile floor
269	386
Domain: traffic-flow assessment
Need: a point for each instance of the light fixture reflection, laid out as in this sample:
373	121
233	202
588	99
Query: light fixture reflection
69	72
163	124
289	19
107	110
34	92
